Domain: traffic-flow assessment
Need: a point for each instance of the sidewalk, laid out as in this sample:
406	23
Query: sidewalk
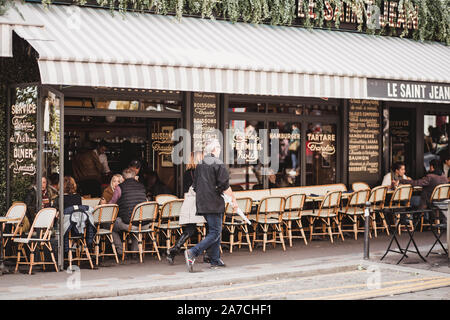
318	257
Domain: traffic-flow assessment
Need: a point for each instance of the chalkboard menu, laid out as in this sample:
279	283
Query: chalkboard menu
364	131
23	141
204	118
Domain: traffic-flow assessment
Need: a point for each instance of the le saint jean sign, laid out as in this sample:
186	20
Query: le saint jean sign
392	14
408	90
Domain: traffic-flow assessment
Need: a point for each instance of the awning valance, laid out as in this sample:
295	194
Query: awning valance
90	47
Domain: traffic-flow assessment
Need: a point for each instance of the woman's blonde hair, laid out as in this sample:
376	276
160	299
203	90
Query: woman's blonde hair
196	158
118	176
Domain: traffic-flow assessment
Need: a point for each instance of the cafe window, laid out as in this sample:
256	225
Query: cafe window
244	107
436	134
243	155
161	106
288	135
117	105
321	144
304	109
78	102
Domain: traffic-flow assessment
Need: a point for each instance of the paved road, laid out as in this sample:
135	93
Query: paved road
364	282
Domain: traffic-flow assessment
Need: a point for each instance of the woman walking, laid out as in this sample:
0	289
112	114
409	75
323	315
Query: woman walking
187	219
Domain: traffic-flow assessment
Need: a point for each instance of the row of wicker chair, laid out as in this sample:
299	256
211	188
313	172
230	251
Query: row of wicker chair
154	225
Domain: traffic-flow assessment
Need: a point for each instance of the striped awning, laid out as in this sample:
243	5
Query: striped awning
91	47
6	40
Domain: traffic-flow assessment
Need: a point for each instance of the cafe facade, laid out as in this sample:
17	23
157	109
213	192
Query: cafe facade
334	107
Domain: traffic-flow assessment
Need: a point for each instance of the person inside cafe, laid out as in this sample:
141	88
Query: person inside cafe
398	172
87	170
48	196
101	149
126	195
136	166
433	178
53	180
109	191
446	165
154	185
71	197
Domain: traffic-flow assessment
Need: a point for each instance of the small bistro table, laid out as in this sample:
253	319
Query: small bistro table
400	222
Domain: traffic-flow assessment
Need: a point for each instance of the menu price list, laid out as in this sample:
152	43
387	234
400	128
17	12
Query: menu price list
364	137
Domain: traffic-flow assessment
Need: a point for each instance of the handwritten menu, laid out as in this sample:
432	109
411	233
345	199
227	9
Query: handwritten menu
204	118
364	133
23	137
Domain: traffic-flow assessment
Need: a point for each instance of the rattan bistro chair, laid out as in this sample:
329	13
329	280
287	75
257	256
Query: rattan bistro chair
357	186
354	211
161	199
440	193
269	216
168	222
13	229
104	218
377	200
42	225
233	223
143	221
293	210
326	215
400	201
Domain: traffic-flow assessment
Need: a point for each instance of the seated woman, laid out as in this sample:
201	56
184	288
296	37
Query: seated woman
109	191
71	197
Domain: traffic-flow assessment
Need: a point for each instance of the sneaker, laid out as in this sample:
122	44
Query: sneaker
170	258
206	259
221	264
189	260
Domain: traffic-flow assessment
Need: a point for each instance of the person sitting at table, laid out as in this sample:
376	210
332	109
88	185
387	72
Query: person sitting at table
126	195
71	197
433	178
109	191
398	172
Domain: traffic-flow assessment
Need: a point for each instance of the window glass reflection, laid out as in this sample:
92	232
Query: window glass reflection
289	141
436	134
243	153
321	144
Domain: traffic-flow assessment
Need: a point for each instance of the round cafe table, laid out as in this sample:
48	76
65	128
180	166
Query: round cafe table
3	220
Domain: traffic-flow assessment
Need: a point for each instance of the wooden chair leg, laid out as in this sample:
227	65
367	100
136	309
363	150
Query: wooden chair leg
247	236
281	237
264	239
19	250
231	238
86	250
327	224
290	232
109	237
31	262
155	245
49	247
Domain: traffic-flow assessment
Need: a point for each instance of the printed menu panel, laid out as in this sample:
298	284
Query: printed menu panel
204	117
364	132
23	141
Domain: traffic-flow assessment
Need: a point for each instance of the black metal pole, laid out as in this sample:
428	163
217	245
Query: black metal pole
366	230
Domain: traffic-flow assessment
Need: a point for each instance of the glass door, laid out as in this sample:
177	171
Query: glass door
51	159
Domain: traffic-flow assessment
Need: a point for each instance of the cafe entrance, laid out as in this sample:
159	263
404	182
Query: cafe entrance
133	127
